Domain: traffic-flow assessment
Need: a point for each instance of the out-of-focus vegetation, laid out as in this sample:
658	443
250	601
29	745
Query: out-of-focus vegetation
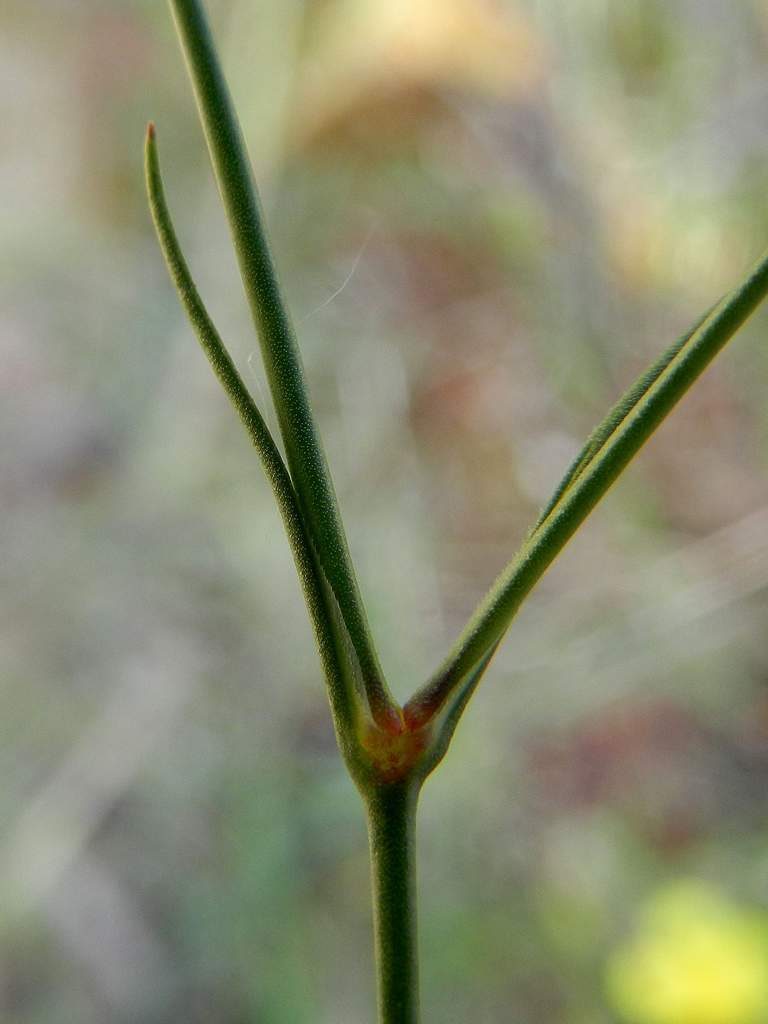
488	216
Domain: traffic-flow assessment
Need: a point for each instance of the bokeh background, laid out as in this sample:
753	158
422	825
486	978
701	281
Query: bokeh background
488	216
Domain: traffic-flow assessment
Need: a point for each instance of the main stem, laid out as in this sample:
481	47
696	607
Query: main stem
392	836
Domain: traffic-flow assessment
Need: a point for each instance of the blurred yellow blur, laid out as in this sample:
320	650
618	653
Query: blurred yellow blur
696	958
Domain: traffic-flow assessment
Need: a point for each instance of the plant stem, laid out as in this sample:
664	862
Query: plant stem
392	836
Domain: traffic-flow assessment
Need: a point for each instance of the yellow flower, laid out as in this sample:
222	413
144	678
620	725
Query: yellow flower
696	958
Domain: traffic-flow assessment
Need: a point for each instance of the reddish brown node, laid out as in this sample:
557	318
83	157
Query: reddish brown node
393	755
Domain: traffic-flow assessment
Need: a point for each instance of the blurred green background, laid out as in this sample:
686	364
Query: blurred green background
488	217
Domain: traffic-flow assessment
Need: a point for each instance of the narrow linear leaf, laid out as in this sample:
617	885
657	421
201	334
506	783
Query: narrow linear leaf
342	699
617	414
282	360
607	453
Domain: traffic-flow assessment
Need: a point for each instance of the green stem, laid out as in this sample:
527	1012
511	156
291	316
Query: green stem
282	360
392	836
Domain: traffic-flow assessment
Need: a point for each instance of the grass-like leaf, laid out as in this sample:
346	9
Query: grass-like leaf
606	453
282	361
342	700
618	413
